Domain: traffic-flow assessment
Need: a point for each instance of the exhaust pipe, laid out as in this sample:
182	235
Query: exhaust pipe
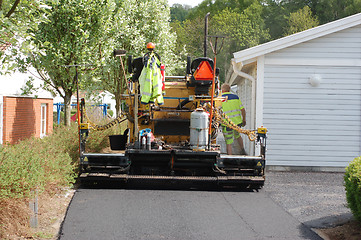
206	34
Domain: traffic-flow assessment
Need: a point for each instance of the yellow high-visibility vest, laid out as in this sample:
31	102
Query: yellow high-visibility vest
232	107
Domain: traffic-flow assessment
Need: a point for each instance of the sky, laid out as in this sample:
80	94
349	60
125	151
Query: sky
192	3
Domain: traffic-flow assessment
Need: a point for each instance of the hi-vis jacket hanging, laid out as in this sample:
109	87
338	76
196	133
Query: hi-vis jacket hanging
150	81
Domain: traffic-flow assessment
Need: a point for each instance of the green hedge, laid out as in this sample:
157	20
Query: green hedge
44	163
67	139
33	164
353	187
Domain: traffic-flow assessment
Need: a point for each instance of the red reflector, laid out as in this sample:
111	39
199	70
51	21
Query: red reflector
204	71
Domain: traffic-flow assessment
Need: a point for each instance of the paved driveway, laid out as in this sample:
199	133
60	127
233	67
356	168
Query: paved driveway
288	206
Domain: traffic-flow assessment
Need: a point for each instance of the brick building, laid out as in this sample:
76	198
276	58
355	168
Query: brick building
23	117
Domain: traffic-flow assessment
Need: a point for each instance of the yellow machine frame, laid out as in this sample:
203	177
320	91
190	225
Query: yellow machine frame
175	92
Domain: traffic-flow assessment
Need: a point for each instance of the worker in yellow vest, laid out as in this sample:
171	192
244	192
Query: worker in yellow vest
233	108
150	79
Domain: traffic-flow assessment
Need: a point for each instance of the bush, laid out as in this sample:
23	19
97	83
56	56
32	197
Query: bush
99	140
38	163
67	139
33	164
353	187
45	165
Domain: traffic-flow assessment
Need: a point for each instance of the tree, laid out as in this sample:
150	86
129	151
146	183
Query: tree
325	10
331	10
274	14
300	21
352	8
73	34
179	12
190	35
217	6
243	30
246	29
16	18
134	24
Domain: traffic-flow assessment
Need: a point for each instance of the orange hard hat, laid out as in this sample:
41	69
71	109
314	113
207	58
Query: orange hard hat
150	46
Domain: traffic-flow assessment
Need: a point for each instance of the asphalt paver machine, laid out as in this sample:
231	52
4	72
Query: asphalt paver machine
175	142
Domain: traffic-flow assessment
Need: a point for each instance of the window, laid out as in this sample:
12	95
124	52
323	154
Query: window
43	122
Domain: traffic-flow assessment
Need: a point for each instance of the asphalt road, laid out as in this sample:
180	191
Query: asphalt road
179	214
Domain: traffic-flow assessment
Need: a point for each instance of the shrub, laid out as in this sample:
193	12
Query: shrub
32	164
67	139
46	164
37	163
99	140
353	187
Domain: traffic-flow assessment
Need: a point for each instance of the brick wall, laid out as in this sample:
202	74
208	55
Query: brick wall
22	117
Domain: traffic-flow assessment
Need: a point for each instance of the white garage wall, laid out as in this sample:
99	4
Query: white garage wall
314	126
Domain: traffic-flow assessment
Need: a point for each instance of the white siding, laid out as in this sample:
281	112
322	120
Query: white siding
345	44
314	126
245	95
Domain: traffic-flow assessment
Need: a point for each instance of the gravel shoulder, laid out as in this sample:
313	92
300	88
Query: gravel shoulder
317	199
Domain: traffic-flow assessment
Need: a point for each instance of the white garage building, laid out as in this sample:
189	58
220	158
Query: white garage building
306	89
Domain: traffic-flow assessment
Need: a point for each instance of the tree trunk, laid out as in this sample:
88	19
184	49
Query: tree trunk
67	108
117	104
118	92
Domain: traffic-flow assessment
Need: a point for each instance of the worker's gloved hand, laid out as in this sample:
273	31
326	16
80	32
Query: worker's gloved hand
243	123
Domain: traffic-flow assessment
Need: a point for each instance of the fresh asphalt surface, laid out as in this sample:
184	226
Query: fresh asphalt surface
287	208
